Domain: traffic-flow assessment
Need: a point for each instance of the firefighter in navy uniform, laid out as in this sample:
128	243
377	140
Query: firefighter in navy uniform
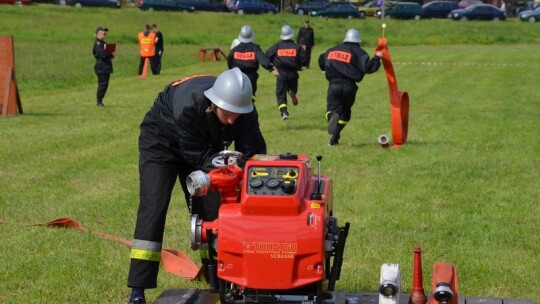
103	67
344	66
183	131
288	58
306	38
247	56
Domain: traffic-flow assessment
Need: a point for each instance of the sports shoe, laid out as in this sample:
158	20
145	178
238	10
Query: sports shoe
332	125
100	104
294	99
284	116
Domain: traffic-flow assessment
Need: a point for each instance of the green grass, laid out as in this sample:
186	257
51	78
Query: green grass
464	187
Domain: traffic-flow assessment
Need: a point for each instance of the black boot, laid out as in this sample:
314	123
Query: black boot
334	140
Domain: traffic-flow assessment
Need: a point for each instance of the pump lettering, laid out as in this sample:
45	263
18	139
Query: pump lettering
270	247
244	55
286	53
339	56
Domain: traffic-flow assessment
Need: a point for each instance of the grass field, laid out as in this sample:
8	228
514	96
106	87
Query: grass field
465	187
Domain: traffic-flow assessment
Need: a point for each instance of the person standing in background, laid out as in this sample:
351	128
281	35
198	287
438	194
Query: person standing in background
306	38
147	41
103	66
158	48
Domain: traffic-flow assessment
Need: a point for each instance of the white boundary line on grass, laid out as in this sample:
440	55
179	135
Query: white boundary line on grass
460	64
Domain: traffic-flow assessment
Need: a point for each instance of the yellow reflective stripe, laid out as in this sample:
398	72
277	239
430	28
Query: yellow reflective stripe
282	106
342	122
141	254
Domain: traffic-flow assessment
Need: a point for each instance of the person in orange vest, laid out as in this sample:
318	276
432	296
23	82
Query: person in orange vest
147	41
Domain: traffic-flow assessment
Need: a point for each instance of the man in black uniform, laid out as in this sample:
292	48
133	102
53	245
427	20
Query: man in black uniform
288	58
247	56
103	67
158	48
344	66
185	128
306	38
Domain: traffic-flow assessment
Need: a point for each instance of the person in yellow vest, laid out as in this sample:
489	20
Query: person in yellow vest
147	41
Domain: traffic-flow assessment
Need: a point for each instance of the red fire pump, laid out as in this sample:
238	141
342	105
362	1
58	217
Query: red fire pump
275	238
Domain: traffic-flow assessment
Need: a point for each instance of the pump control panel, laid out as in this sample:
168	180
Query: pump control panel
278	181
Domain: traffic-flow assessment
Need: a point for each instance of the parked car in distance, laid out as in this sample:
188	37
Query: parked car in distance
253	7
403	10
438	9
479	12
527	6
18	2
337	10
105	3
206	5
306	7
369	9
164	5
531	16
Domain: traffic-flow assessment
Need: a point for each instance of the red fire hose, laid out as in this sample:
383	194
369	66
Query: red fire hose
399	100
174	261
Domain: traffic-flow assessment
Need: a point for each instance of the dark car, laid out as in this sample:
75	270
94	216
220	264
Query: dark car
164	5
531	16
479	12
105	3
307	6
337	10
527	6
403	10
206	5
438	9
253	7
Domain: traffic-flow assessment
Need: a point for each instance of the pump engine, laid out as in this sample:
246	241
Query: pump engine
276	238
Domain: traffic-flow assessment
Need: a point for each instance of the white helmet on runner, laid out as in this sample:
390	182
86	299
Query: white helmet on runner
246	34
352	35
232	92
286	32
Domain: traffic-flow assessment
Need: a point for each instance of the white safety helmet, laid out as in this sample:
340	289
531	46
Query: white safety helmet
352	35
246	34
232	92
286	32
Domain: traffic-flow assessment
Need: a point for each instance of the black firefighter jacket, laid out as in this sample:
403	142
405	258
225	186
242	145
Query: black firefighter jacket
247	57
287	56
348	61
103	59
180	110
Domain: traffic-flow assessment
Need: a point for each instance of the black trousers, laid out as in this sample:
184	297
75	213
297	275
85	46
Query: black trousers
340	99
153	66
308	55
287	81
159	169
103	85
157	60
253	77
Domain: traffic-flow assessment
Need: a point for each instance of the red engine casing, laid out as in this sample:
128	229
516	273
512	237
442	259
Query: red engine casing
275	237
